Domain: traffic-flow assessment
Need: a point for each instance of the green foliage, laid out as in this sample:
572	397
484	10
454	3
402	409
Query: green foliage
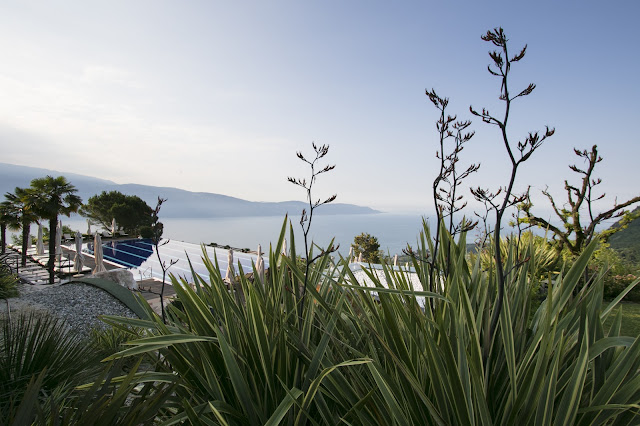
52	197
617	272
616	284
118	396
45	233
49	198
627	240
130	211
9	219
16	240
146	232
38	345
237	351
8	283
19	208
369	246
547	260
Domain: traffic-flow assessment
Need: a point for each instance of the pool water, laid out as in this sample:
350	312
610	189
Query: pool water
140	256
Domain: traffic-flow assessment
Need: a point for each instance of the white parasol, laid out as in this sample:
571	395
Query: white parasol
395	260
360	257
260	264
113	227
88	227
230	274
78	260
284	251
40	242
58	251
350	254
97	253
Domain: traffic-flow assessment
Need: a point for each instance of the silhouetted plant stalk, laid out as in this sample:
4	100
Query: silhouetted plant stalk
305	224
501	68
307	217
157	229
446	200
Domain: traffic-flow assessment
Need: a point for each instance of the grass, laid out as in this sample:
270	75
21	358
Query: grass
630	319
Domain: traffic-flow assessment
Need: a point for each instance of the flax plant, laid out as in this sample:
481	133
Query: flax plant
555	364
518	154
374	355
242	363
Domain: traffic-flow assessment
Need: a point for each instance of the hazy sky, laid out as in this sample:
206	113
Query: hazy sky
218	96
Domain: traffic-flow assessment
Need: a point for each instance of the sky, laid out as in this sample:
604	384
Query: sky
218	96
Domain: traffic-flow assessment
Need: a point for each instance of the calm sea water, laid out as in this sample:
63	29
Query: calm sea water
393	231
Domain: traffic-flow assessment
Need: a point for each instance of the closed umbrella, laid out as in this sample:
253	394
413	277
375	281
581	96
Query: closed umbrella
230	274
28	242
97	253
78	260
360	257
40	242
395	260
350	254
88	227
284	251
58	252
113	227
260	264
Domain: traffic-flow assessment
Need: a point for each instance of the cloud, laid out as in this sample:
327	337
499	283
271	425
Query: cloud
109	75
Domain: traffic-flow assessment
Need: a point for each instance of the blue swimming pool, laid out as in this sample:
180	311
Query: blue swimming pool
139	255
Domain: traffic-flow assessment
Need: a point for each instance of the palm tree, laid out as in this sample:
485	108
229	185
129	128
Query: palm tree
18	205
8	220
52	197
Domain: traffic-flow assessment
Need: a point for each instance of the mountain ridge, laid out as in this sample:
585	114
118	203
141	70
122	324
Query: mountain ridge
180	203
627	241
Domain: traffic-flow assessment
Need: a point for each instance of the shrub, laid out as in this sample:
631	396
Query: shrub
38	345
8	283
146	232
368	246
616	284
241	358
617	272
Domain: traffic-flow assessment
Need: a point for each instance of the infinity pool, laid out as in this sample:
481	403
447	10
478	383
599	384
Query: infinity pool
139	255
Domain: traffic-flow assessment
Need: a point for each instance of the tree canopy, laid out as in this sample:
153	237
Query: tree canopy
129	211
9	219
50	197
19	214
369	246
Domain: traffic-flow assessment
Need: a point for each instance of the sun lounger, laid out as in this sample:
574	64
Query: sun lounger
44	260
70	270
66	237
41	258
106	234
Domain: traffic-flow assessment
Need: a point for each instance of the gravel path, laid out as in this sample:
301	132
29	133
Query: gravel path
77	304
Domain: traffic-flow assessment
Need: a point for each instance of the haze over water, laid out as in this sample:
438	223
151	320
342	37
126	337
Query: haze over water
393	231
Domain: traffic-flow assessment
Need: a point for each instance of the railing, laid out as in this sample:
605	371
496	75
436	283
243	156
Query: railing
143	274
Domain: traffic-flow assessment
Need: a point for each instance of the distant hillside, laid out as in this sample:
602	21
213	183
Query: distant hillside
181	203
627	241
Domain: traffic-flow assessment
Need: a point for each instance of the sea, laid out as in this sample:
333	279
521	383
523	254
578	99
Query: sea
393	231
